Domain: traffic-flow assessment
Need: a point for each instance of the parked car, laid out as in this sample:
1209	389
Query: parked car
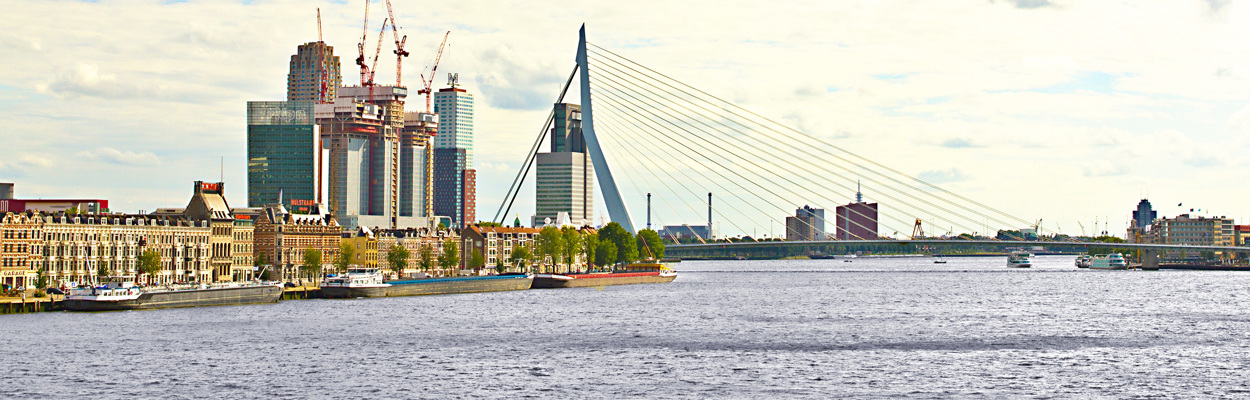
53	290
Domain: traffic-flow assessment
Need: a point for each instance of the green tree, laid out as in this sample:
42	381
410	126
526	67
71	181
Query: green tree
347	254
397	258
426	258
573	243
102	272
605	254
499	265
521	254
149	264
550	245
41	278
312	263
590	244
626	245
650	246
450	258
488	224
477	260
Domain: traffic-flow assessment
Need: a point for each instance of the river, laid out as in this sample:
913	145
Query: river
910	328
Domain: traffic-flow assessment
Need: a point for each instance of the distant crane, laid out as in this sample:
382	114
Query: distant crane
400	53
428	83
322	63
360	48
374	68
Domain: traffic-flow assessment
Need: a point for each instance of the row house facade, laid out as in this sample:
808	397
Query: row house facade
21	249
414	240
82	248
282	237
496	244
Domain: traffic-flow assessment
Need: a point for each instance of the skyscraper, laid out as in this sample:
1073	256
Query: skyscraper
453	156
565	176
454	107
417	164
283	153
369	148
314	75
454	187
1144	215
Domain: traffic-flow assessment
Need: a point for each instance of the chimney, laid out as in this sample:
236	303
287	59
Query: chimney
648	210
709	215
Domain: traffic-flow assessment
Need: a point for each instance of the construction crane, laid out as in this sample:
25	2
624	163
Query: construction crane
360	48
374	68
428	83
322	63
400	53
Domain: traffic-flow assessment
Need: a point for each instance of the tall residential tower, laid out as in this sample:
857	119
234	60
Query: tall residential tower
314	75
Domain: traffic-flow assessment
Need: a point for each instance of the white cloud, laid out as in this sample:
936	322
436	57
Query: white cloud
114	156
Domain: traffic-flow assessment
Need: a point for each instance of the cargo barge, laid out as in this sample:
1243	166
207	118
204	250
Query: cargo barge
630	274
121	295
368	282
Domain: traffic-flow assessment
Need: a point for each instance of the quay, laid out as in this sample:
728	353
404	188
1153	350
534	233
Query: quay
29	304
301	292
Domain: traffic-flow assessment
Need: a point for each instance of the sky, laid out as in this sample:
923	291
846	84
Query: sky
1062	110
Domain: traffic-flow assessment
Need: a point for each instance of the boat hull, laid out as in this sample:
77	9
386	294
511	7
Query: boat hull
435	286
596	280
183	298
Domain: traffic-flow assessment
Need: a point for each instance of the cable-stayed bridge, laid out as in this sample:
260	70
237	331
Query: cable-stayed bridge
658	141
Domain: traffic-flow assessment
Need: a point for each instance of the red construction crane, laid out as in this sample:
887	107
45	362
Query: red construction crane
374	68
400	53
426	84
360	47
322	63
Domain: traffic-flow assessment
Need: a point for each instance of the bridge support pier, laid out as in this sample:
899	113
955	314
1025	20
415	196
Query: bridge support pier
1150	259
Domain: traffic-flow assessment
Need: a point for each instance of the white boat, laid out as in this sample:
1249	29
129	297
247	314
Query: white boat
1019	259
1108	261
356	278
1083	261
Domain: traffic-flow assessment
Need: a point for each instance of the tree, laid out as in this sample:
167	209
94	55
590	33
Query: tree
347	254
102	272
590	244
499	265
572	245
477	260
550	243
451	255
605	254
41	278
397	259
626	245
149	263
488	224
312	262
520	254
426	259
650	245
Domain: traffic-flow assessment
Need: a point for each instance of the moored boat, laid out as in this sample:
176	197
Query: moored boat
1108	261
368	282
121	294
643	272
1019	259
1083	261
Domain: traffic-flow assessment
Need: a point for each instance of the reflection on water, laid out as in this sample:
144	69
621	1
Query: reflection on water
803	328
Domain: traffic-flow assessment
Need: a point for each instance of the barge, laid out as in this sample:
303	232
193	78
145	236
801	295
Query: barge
368	282
646	272
123	295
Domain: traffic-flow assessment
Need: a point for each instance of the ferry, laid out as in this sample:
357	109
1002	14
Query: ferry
642	272
1083	261
121	293
1108	261
1019	259
369	282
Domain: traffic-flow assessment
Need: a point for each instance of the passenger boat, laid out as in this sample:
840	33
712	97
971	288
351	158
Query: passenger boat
368	282
121	293
1108	261
1083	261
643	272
1019	259
939	260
